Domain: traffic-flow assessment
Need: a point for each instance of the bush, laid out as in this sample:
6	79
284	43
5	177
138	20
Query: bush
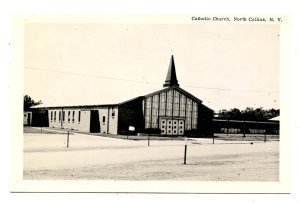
193	132
128	132
152	131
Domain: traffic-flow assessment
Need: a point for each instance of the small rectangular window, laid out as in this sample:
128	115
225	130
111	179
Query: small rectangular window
51	115
113	114
79	116
73	118
103	119
64	116
69	115
59	117
54	116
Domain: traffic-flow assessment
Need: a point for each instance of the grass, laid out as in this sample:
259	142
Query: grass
248	137
40	130
229	137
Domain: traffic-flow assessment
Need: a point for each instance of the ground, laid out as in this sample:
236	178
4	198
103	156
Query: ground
91	157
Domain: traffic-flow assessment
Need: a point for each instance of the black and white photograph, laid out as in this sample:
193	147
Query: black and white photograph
124	100
120	100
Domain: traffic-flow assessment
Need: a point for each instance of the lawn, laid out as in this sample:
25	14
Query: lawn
103	158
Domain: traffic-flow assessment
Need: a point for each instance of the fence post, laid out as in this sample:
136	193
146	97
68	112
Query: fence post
41	129
213	138
68	140
185	149
148	140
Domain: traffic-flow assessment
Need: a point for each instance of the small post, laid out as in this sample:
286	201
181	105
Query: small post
185	149
68	140
213	138
148	140
41	129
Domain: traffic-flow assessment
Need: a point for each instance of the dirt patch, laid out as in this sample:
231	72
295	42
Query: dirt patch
246	167
101	158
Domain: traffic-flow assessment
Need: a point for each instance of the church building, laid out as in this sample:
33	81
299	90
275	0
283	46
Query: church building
170	111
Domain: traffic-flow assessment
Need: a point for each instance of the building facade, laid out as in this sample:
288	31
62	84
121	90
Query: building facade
27	117
95	119
170	111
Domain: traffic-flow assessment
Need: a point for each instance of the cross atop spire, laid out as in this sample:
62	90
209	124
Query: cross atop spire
171	79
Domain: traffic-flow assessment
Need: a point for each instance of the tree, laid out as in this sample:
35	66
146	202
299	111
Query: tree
28	102
258	114
235	114
224	114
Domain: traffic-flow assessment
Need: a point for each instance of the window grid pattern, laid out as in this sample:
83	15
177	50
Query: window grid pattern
176	104
148	112
182	105
169	104
195	116
188	114
154	110
162	108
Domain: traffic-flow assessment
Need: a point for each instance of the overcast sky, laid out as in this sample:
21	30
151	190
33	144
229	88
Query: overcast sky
226	66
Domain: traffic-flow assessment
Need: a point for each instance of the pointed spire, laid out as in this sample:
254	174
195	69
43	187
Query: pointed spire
171	79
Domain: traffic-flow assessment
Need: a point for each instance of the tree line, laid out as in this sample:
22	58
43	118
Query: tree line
258	114
29	102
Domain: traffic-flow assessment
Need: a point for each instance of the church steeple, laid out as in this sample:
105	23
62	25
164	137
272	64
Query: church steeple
171	79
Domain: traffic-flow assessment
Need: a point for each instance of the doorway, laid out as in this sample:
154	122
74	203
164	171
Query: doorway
94	122
171	126
28	119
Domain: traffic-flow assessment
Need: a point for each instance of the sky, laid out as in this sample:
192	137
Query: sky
224	65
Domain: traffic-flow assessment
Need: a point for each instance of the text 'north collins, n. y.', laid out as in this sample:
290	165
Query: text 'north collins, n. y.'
237	19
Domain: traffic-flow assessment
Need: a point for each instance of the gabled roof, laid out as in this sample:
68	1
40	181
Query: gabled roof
178	89
139	97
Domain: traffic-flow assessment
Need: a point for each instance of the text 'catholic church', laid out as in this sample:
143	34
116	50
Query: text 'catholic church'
170	111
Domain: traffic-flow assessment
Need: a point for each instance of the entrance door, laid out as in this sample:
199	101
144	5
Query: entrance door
180	127
163	126
28	118
175	127
94	122
169	127
172	127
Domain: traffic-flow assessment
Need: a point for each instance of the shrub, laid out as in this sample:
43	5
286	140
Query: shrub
152	131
